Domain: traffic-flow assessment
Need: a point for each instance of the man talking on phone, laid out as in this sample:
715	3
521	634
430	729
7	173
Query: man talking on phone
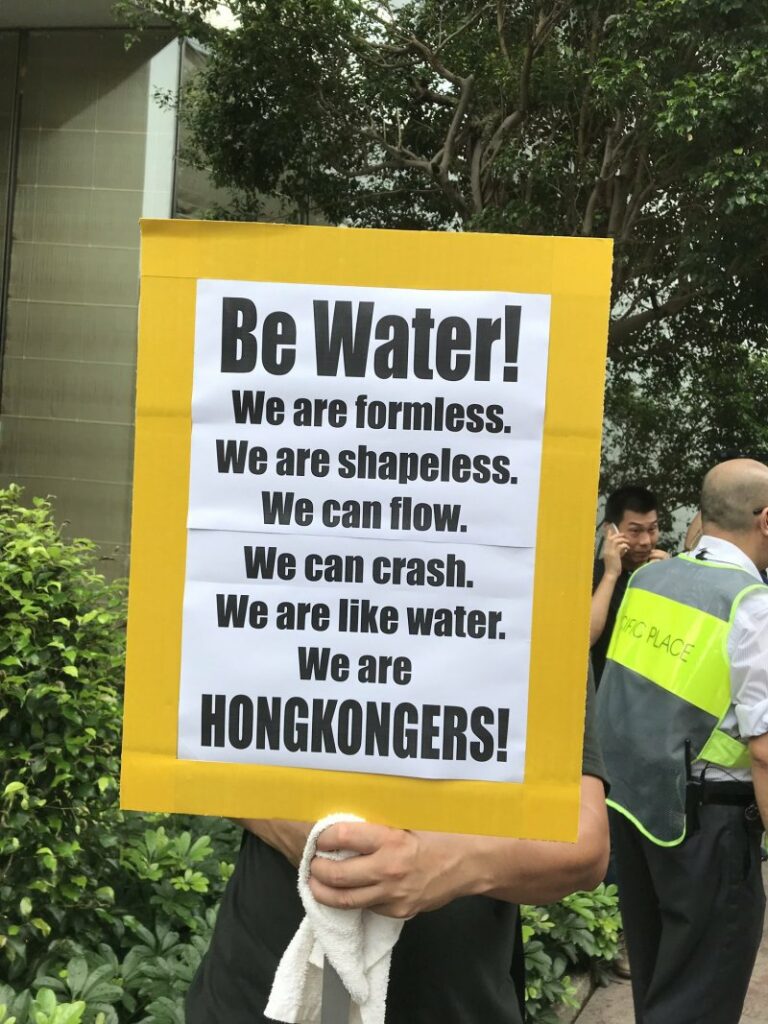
630	533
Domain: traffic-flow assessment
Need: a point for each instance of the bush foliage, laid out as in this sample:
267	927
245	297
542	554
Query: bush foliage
60	669
581	932
105	915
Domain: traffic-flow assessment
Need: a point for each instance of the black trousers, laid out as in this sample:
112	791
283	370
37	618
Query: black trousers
693	917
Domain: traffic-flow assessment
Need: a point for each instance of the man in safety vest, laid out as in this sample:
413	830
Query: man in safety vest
683	722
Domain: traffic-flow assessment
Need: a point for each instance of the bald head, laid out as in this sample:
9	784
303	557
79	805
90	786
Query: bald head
730	494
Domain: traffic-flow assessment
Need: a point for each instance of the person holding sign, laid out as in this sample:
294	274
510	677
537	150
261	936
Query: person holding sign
452	965
346	576
683	722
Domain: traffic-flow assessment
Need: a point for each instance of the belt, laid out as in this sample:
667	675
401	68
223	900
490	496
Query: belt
735	794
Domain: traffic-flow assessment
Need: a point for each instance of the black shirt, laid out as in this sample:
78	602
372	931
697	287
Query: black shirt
451	965
599	649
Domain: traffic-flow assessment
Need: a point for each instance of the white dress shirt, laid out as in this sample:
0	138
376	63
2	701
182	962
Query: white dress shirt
748	656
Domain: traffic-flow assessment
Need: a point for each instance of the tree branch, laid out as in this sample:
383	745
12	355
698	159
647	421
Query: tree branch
547	22
621	330
620	182
474	177
584	107
639	198
514	120
462	28
501	31
433	61
609	152
422	94
402	157
458	114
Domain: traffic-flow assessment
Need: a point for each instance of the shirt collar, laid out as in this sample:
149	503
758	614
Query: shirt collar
719	550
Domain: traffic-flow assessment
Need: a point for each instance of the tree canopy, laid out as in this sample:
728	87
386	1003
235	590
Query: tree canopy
640	120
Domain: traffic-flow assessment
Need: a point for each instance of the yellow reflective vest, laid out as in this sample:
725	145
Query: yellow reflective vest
667	681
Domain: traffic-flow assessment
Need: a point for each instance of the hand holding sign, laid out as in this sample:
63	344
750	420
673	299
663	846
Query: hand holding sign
398	873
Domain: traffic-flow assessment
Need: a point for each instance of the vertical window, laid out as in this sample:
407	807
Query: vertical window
9	48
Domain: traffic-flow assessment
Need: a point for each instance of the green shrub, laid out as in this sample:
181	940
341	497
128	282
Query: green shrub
580	931
44	1008
61	656
104	916
173	875
157	969
147	984
71	864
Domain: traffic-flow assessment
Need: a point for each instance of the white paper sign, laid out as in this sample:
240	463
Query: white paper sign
361	531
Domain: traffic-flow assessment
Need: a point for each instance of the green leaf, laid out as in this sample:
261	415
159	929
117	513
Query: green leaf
45	1000
76	973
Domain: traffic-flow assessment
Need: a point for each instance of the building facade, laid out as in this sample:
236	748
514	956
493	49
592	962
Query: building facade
85	152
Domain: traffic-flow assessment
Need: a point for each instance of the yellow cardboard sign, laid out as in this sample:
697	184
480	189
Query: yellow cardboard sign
183	266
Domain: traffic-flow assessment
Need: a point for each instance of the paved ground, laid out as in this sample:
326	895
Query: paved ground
613	1005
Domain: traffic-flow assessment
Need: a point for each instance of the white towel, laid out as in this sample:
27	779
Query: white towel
357	943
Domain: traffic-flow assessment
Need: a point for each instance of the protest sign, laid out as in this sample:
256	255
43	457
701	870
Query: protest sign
364	495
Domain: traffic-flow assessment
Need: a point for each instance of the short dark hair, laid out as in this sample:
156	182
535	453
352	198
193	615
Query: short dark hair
631	498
